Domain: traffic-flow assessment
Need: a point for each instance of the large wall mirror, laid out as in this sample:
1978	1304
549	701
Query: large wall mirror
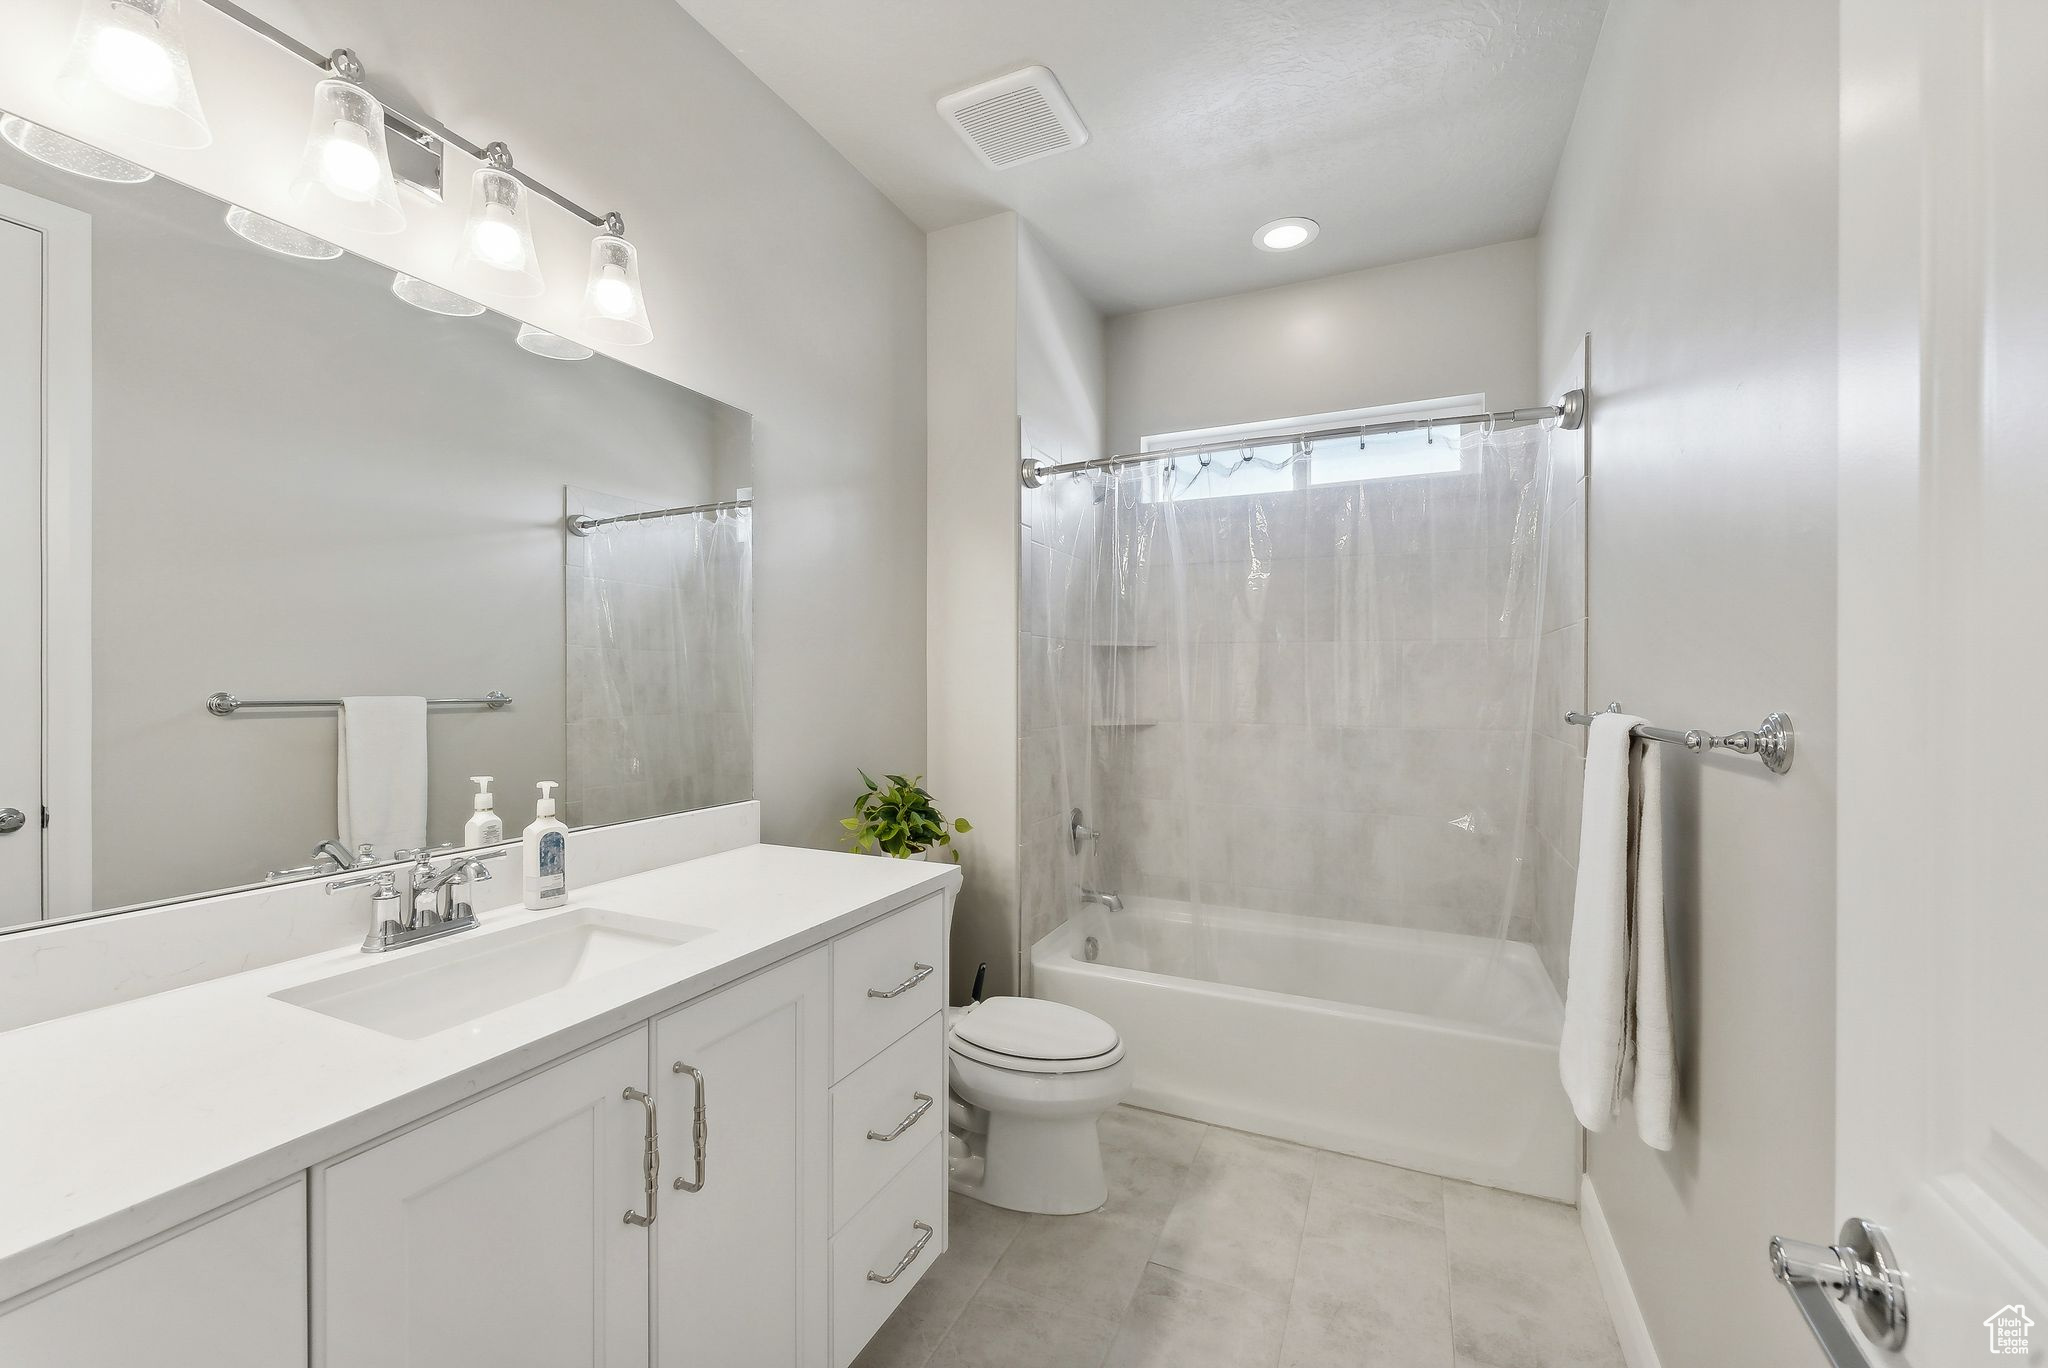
298	488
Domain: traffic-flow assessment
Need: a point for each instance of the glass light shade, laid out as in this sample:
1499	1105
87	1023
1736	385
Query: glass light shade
541	342
127	72
52	148
281	238
613	308
497	243
423	294
345	173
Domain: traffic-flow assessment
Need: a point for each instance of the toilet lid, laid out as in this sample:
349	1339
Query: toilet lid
1018	1032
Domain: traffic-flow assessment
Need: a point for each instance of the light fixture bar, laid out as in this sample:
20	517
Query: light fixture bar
414	126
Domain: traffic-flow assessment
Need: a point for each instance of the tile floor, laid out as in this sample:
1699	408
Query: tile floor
1225	1249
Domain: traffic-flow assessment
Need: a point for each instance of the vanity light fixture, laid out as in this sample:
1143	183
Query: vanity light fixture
52	148
1285	235
497	242
127	71
281	238
555	347
345	172
424	294
613	308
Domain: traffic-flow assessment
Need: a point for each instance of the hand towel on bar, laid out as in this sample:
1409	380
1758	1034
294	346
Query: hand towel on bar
1617	1022
381	773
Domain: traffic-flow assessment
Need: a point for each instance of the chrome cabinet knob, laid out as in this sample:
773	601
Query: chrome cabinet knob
12	820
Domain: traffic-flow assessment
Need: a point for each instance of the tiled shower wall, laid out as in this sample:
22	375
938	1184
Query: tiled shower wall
1052	742
658	671
1324	714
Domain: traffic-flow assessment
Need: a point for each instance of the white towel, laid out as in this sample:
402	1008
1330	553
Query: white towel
380	794
1617	1015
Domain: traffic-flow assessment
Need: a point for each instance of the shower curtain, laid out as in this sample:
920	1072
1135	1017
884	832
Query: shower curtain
660	663
1312	671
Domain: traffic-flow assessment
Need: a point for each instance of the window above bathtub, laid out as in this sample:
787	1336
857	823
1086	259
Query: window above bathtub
1273	458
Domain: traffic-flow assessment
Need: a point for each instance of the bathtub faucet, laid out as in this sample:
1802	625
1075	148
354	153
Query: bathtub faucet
1110	901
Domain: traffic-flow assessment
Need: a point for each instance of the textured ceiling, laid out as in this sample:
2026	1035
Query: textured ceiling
1405	127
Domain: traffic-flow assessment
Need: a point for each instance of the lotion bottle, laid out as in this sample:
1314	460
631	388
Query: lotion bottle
543	855
485	827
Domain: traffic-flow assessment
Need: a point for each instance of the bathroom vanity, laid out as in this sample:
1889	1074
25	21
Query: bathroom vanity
694	1118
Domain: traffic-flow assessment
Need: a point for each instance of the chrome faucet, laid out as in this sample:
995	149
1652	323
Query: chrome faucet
328	858
434	909
1109	901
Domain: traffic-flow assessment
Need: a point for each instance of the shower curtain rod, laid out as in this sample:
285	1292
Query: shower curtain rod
1570	412
582	524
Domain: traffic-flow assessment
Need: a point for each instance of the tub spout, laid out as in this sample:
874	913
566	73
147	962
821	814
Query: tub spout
1109	901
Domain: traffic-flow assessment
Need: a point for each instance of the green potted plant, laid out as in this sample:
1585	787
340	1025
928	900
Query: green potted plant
899	820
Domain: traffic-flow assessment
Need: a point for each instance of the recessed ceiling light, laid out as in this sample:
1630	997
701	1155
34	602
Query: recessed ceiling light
1284	235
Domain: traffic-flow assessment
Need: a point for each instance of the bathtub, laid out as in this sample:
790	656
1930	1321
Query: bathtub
1424	1049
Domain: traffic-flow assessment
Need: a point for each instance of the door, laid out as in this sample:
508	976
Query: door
496	1236
1941	1089
740	1262
21	572
45	559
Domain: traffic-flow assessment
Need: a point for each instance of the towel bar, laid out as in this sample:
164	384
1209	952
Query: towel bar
226	704
1770	742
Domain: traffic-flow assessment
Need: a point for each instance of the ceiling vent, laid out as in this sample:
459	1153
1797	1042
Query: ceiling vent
1015	118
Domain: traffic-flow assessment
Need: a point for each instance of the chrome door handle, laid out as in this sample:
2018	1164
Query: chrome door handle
923	972
650	1158
924	1104
700	1129
12	820
909	1256
1861	1271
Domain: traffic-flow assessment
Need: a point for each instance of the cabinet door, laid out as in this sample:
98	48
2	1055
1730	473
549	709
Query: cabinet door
495	1236
740	1263
227	1294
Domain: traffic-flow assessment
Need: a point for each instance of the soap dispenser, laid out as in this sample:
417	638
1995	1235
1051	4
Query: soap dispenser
543	856
485	827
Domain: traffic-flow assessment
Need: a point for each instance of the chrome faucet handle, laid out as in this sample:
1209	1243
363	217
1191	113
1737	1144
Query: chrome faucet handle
386	881
422	852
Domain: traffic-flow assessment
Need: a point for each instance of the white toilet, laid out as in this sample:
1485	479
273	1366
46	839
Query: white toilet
1029	1079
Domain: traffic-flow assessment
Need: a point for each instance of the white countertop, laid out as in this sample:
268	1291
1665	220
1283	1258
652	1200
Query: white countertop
121	1123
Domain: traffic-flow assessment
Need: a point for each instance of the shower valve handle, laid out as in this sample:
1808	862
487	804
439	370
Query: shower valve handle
1077	833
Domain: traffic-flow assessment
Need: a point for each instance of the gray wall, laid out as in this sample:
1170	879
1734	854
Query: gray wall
779	281
970	601
1456	324
1692	233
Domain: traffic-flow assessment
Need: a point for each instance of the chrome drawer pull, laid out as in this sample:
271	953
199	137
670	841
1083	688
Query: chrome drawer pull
908	1259
924	971
700	1129
650	1158
924	1104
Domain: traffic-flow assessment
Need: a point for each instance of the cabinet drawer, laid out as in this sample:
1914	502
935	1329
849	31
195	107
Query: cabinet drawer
882	1241
886	978
873	1133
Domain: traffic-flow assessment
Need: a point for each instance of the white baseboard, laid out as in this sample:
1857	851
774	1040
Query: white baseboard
1629	1326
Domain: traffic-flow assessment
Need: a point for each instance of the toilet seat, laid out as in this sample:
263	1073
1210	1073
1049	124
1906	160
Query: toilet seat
1031	1035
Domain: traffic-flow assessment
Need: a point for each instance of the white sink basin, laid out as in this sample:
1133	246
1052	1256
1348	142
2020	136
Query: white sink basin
460	980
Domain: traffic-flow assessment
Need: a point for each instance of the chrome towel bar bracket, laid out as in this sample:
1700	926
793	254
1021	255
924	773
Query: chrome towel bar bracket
1771	742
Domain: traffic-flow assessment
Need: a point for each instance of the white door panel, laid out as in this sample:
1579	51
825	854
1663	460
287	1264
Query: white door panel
21	569
1942	1088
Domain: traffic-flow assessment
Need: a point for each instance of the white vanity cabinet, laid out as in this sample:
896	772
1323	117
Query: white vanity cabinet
494	1235
750	1178
229	1292
739	1249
